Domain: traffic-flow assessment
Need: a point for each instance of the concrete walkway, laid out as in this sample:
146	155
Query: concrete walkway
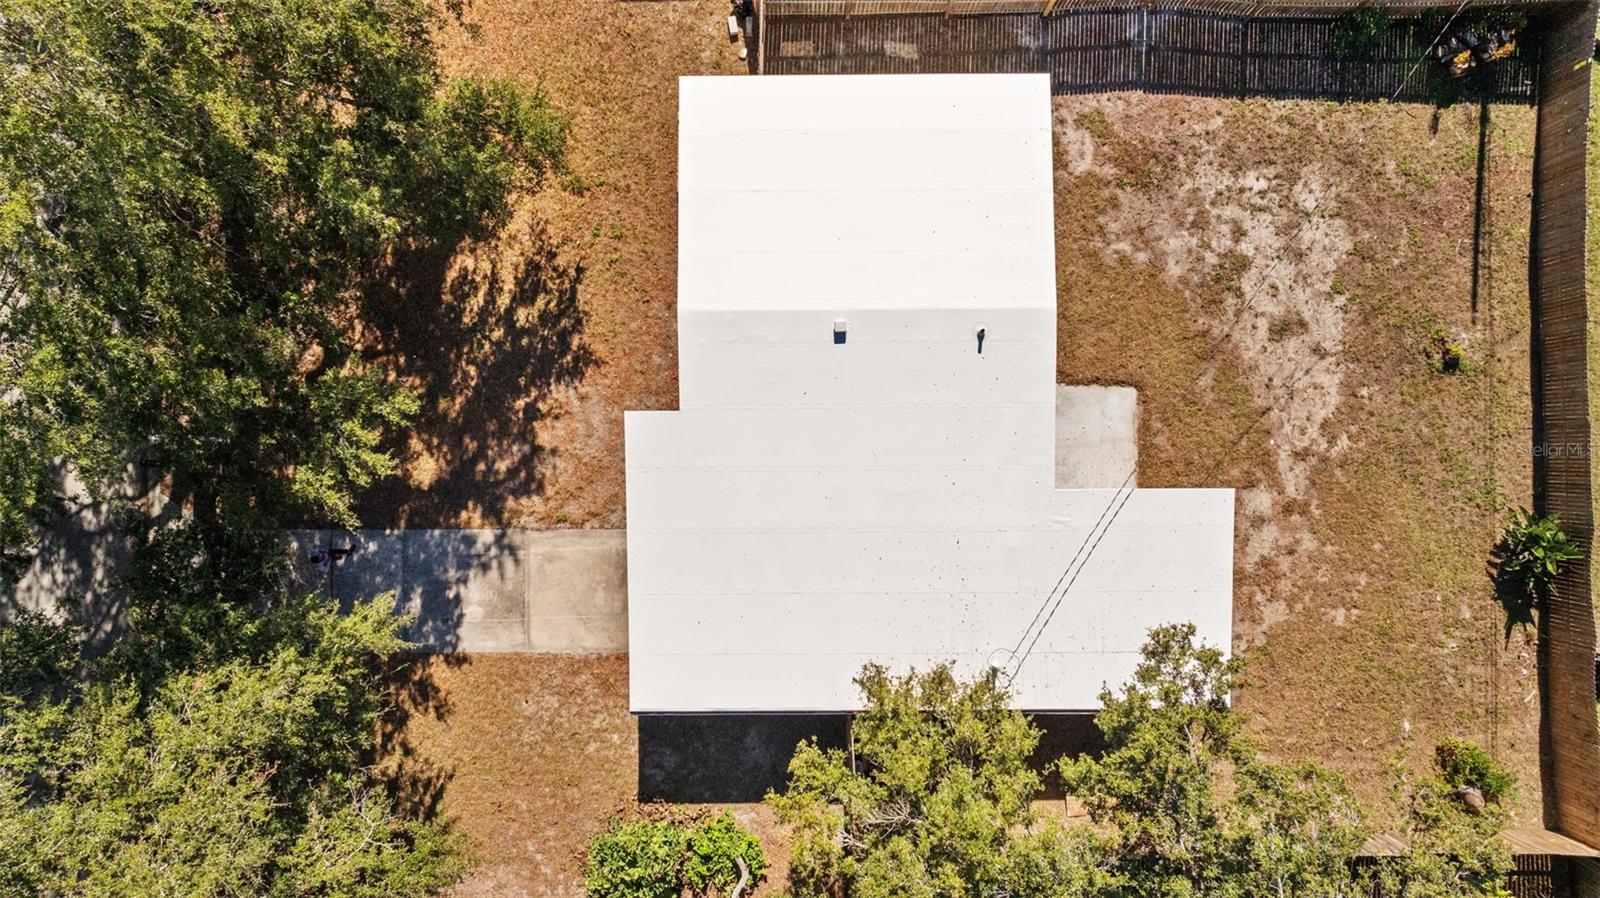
483	590
567	590
1097	437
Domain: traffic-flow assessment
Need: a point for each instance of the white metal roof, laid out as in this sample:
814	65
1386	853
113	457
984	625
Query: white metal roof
816	505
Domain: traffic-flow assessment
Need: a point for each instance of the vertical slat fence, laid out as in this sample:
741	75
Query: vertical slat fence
1095	48
1564	425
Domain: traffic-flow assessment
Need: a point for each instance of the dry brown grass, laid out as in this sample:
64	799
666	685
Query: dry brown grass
1371	487
512	433
532	756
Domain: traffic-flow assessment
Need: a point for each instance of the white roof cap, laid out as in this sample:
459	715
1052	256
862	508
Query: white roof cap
888	192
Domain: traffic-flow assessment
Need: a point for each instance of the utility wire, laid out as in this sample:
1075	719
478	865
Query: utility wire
1425	53
1052	601
1040	612
1124	495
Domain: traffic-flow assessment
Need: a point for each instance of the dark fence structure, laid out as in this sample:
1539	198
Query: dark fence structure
1563	426
1544	876
1256	8
1164	50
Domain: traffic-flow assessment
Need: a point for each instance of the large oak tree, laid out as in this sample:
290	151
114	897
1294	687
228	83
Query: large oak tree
192	195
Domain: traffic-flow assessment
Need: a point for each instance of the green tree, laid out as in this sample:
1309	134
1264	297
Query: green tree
242	770
192	196
1173	743
1057	861
1294	828
716	849
1450	828
935	801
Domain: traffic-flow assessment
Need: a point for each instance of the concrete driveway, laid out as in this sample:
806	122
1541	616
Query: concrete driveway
483	590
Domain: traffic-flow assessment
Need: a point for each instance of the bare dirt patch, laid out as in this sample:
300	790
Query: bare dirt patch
1273	276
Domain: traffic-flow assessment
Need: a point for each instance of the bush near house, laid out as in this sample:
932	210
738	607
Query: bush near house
715	849
657	858
642	859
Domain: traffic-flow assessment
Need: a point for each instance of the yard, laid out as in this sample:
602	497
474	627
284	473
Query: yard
531	755
1276	277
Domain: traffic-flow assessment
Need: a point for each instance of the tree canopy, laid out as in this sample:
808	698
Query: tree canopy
192	195
936	800
941	799
1174	747
242	764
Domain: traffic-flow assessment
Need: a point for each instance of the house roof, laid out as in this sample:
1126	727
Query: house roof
839	193
818	503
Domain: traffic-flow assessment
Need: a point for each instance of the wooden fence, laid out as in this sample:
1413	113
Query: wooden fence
1161	50
1563	426
1259	8
1542	876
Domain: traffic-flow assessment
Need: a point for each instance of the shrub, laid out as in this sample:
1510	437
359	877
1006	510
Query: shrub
1452	837
714	849
1450	357
1462	763
636	860
937	791
1447	354
1533	551
1358	32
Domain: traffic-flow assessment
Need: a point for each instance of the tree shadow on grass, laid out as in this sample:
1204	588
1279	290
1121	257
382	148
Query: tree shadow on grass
486	338
1511	592
415	781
